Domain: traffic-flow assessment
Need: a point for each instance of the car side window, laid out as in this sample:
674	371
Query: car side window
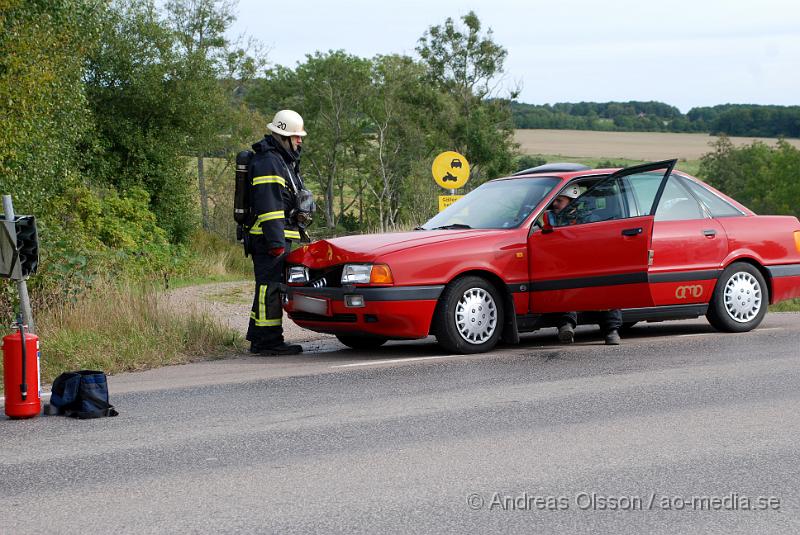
677	204
717	206
603	202
644	187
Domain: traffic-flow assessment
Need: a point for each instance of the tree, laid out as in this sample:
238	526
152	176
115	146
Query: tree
400	107
329	90
464	63
761	177
44	116
336	86
155	88
462	59
207	55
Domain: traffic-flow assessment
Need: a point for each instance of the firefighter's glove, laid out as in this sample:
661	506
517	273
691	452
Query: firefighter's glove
277	251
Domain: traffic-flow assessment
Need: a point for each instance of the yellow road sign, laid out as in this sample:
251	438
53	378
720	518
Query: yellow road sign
450	170
447	200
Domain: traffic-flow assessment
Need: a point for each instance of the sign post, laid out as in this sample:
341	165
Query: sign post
451	171
22	286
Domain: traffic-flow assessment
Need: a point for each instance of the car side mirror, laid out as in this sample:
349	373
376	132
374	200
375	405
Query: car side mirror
547	222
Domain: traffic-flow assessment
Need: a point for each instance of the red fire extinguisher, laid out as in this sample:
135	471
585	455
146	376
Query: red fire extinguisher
20	369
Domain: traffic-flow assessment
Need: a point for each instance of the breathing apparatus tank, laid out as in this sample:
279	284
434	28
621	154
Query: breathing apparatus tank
241	195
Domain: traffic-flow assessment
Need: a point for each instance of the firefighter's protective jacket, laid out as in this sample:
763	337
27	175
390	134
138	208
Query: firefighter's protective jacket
274	181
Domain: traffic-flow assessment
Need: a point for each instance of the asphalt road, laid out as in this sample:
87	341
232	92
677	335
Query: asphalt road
676	431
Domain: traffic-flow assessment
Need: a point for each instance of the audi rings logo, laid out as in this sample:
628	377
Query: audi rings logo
685	292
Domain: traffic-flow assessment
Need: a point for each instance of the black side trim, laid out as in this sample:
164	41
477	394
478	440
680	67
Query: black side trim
533	322
583	282
674	312
614	280
397	293
789	270
519	287
680	276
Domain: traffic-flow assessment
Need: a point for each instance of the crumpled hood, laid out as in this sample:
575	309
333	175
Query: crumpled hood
368	247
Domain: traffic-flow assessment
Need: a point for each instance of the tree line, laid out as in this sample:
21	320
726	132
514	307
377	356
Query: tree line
726	119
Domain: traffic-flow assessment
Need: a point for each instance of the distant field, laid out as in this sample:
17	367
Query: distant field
626	145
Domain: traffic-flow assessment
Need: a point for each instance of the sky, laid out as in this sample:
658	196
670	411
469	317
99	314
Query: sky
681	52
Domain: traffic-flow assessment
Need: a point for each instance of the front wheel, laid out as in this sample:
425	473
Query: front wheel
361	342
469	317
740	299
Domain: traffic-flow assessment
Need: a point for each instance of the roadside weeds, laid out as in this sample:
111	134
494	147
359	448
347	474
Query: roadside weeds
126	327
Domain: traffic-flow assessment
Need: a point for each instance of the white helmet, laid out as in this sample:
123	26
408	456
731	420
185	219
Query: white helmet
287	123
572	192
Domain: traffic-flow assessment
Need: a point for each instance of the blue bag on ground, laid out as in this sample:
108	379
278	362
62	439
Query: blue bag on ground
81	394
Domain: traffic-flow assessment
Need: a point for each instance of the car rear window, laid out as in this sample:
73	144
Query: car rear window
717	206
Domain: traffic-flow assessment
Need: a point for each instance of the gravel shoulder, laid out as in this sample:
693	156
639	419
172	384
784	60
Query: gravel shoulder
229	303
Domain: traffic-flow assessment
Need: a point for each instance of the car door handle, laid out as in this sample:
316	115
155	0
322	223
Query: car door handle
632	231
709	233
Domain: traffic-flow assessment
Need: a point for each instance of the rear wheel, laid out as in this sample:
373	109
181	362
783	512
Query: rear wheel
740	299
469	318
361	342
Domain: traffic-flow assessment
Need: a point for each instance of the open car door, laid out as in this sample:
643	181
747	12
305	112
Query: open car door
595	255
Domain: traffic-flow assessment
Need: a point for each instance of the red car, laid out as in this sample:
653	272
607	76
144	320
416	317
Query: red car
652	241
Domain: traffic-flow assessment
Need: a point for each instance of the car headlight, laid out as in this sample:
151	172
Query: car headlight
367	274
356	273
297	275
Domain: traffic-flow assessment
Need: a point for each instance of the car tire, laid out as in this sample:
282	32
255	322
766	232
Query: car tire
469	316
740	299
361	342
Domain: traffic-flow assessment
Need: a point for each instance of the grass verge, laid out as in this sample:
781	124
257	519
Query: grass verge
214	259
118	328
182	282
790	305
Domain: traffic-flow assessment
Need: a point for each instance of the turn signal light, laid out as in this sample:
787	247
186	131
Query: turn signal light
797	240
381	274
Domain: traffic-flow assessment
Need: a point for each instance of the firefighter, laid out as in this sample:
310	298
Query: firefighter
275	180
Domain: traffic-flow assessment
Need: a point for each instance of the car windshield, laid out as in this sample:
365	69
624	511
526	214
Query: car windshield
498	204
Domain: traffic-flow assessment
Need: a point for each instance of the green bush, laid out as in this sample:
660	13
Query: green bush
45	117
526	161
762	177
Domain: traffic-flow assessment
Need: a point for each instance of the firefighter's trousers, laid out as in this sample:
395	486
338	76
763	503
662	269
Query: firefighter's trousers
265	328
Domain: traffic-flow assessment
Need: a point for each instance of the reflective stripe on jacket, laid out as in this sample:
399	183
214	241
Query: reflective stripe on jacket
273	174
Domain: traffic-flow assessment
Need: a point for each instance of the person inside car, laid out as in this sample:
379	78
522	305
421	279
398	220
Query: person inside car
610	321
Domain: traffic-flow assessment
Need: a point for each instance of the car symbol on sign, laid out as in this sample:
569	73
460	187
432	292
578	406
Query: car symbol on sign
455	163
